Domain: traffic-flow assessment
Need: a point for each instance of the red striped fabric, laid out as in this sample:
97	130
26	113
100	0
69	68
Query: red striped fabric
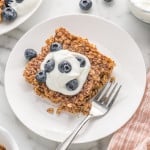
135	135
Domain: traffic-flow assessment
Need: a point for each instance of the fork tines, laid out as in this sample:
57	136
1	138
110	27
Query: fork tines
108	94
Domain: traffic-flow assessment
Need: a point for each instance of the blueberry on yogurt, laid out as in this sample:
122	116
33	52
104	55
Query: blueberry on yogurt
108	0
64	67
8	2
49	66
81	60
72	85
19	1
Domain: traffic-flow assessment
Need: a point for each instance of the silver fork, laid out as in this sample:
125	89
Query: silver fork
101	105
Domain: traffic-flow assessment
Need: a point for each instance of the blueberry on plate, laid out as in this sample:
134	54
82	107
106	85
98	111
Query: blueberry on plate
30	53
19	1
55	47
72	85
41	76
49	66
64	67
81	60
85	4
9	14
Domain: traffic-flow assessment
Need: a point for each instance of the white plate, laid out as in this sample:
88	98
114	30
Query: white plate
6	27
130	71
7	140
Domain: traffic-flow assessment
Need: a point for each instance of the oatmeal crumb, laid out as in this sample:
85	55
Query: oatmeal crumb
50	110
112	79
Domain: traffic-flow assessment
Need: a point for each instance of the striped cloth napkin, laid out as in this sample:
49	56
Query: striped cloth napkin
135	135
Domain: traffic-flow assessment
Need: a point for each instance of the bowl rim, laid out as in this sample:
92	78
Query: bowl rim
9	137
136	6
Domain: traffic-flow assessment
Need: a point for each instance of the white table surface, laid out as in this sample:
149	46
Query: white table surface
118	12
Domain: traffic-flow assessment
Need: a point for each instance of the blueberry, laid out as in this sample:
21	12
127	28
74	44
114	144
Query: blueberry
64	67
9	14
49	66
72	85
30	53
8	2
82	61
55	47
19	1
85	4
108	0
41	76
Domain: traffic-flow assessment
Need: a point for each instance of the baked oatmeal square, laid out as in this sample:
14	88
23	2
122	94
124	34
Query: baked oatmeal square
99	73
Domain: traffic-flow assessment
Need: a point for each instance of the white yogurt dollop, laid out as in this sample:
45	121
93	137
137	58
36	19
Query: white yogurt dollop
56	80
23	7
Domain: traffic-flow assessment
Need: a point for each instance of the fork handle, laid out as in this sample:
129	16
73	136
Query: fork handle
67	142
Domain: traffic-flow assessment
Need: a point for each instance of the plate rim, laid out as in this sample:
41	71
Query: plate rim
57	17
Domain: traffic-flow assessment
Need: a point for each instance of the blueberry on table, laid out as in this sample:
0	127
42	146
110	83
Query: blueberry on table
72	85
9	14
64	67
55	47
49	66
85	4
81	60
19	1
41	76
30	53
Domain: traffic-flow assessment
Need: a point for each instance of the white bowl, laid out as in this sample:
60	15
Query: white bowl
6	27
7	140
141	13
